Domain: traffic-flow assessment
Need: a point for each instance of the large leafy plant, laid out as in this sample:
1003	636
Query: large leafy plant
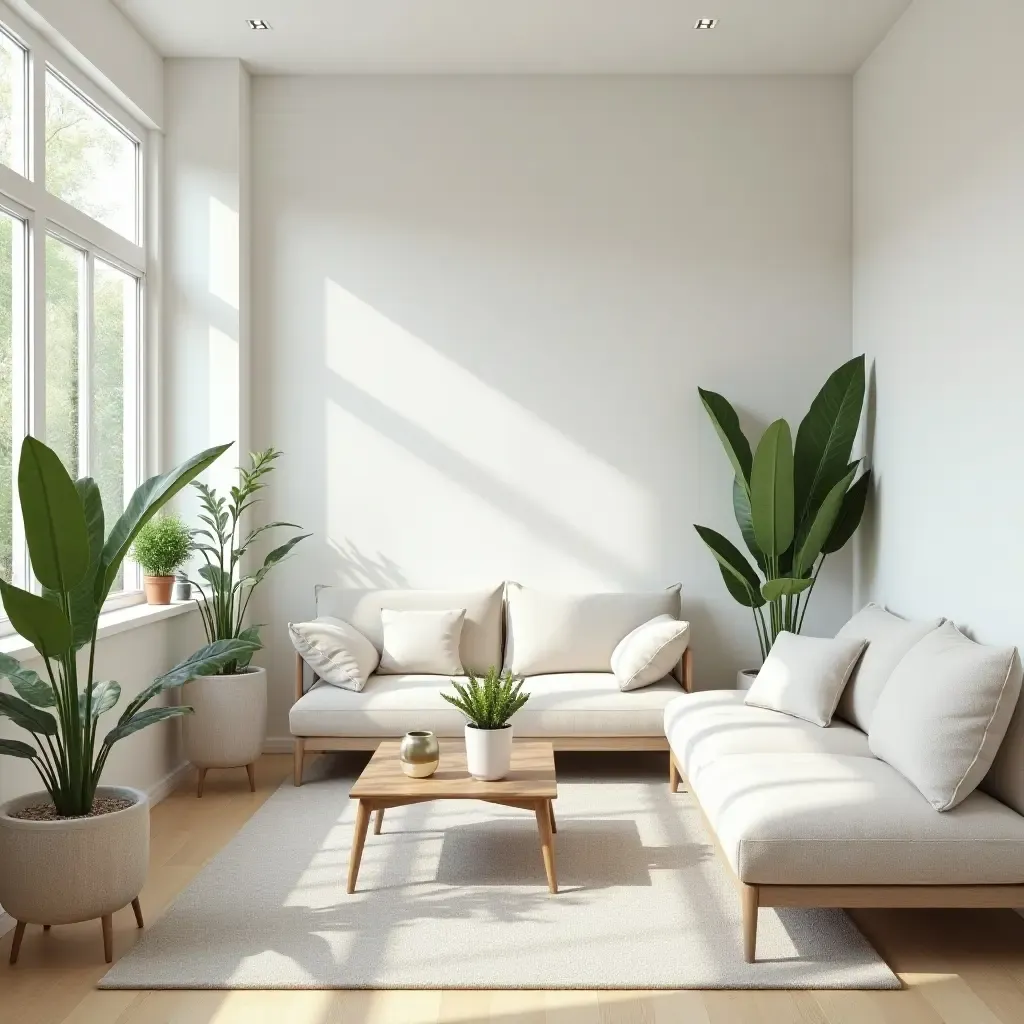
794	505
491	703
76	563
225	590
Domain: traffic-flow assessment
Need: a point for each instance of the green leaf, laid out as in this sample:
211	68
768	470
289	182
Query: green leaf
741	509
730	558
15	748
262	529
821	526
850	515
53	518
218	578
727	426
147	500
771	490
27	684
24	715
749	597
207	661
39	621
277	554
141	721
826	435
105	695
784	586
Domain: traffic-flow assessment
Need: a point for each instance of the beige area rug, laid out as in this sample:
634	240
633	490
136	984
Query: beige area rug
453	895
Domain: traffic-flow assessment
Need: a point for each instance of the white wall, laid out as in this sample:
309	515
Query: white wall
482	307
939	309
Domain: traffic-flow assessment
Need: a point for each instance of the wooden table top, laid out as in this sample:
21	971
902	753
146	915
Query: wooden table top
532	776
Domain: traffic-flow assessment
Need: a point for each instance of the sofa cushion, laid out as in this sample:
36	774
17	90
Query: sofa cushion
588	704
804	676
705	726
336	651
480	644
831	819
944	712
549	631
421	641
649	652
1005	780
889	638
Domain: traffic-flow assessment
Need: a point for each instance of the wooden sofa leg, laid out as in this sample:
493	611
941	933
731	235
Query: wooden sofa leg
673	774
749	898
299	754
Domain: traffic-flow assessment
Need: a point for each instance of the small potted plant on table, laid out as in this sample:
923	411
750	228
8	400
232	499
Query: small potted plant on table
161	548
489	706
77	850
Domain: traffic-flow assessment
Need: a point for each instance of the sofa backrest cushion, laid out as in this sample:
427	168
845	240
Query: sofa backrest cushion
550	631
889	638
1005	779
944	712
480	644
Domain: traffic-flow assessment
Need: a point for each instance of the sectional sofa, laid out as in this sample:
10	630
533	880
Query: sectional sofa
562	643
811	816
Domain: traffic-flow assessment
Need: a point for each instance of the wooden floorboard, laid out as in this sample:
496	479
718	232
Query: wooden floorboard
958	966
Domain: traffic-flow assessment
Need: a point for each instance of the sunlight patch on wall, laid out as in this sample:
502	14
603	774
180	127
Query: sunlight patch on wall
224	253
222	405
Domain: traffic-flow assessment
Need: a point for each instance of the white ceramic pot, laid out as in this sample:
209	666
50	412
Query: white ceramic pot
60	872
488	752
230	719
745	679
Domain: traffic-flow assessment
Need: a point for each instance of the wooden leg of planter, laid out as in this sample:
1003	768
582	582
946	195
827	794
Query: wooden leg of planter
673	774
202	780
250	770
299	754
19	933
137	907
108	938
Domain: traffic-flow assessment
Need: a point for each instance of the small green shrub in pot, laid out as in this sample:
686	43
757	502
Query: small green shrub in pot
488	706
161	548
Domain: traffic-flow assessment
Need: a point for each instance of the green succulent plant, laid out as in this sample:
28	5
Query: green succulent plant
490	703
163	545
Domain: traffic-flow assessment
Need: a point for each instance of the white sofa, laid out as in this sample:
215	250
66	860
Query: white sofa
576	703
808	816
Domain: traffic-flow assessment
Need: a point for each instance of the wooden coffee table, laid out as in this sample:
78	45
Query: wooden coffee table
530	785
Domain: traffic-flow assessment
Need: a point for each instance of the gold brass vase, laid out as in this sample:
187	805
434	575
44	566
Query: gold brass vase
419	753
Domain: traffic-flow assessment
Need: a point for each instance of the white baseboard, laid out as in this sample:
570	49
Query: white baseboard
158	791
278	745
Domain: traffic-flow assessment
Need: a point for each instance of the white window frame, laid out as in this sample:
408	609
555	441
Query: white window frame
25	197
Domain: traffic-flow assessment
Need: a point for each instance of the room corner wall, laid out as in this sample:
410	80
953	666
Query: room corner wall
939	312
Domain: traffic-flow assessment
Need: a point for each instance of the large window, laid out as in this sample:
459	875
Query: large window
72	275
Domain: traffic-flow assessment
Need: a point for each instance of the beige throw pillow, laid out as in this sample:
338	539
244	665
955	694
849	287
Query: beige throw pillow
425	642
649	652
804	676
336	651
944	712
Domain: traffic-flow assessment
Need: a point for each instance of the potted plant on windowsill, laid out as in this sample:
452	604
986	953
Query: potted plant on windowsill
489	706
161	548
78	850
230	719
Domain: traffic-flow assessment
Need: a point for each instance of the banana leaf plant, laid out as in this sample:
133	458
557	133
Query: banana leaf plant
794	505
76	563
225	590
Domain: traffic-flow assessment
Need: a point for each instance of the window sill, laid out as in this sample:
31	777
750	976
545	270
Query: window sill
111	623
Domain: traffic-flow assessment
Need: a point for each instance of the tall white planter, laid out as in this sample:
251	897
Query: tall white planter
488	752
229	722
745	678
60	872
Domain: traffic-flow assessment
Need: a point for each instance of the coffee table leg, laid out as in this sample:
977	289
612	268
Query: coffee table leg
551	808
378	821
544	813
358	839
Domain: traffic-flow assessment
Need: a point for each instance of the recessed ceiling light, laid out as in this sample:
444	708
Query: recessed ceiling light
706	23
258	24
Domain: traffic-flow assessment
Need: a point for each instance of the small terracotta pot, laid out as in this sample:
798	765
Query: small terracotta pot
158	589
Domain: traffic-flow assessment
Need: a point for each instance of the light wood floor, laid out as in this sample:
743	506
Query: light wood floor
959	967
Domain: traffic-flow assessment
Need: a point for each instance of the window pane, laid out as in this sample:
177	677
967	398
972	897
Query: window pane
64	266
8	269
12	104
114	325
90	162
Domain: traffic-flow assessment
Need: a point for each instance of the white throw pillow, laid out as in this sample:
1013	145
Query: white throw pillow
944	712
547	632
336	651
889	638
804	676
426	642
649	652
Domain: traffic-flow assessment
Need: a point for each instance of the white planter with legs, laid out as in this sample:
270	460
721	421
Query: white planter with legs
229	722
488	752
745	678
75	869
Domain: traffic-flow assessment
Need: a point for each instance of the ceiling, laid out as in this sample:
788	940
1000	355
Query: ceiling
523	36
